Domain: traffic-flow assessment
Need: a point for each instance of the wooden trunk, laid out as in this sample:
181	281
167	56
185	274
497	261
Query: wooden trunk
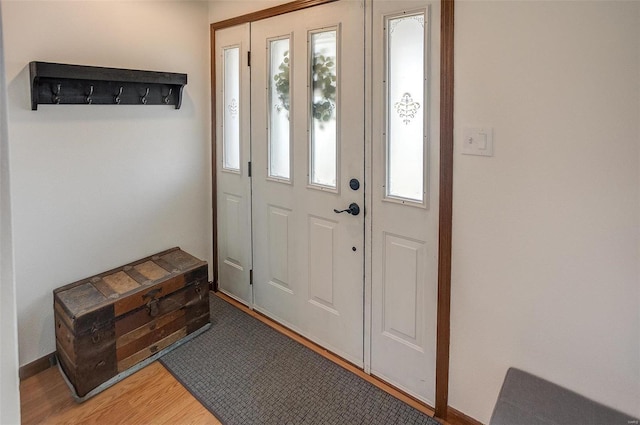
108	323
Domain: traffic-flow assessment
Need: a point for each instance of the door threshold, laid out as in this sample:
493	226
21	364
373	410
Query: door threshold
379	383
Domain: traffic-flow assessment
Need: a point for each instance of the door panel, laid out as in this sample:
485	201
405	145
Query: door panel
402	288
232	154
279	250
321	265
233	206
308	143
405	171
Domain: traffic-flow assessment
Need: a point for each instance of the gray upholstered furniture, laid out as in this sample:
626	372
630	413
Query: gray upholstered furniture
526	399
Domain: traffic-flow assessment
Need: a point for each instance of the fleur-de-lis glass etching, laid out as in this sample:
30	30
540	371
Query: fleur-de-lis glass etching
406	108
233	108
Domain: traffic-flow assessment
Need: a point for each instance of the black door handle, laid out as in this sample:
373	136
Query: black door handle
353	209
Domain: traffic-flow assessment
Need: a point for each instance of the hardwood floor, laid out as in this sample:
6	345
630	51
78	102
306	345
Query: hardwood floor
150	396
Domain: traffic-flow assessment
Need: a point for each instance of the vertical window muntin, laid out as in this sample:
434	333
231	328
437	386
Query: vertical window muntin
403	105
313	183
232	109
277	106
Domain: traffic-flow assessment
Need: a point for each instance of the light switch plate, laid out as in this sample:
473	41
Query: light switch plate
477	141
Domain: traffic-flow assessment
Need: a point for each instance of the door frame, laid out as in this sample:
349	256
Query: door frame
443	335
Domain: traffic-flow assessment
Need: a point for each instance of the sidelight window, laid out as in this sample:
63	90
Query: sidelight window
405	107
231	113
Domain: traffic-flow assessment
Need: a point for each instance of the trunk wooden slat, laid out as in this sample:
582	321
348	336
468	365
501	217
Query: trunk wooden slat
108	323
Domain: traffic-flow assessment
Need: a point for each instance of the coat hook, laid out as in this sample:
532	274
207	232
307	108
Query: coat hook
143	99
56	94
116	98
89	99
165	99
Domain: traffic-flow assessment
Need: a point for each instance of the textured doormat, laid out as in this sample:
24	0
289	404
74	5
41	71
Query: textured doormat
246	373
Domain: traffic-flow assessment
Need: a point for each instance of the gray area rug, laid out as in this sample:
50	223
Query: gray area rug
246	373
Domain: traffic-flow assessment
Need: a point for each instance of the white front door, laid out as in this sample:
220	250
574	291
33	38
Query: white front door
405	171
307	125
233	146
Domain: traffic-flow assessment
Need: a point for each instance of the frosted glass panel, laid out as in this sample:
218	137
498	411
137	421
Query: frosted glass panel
405	107
231	126
323	108
279	101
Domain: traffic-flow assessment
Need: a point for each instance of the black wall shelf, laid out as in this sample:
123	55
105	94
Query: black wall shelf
62	84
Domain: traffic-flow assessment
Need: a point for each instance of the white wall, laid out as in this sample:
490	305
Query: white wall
219	10
98	186
545	233
9	385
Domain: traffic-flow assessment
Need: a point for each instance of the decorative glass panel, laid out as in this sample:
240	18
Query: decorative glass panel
323	108
405	107
231	120
279	107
